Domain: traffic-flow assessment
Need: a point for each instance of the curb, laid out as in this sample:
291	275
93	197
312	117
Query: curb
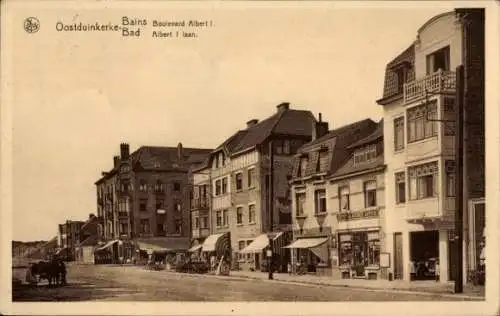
344	286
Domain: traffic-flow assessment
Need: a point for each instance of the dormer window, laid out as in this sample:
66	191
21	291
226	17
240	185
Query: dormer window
322	160
366	154
304	160
401	70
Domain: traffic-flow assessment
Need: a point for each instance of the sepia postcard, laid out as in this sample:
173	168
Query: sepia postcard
249	157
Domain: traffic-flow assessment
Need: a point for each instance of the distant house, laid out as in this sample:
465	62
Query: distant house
89	238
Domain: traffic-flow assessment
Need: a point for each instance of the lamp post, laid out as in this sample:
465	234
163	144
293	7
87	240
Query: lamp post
269	252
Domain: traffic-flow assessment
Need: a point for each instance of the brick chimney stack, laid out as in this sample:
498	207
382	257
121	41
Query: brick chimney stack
320	128
116	161
179	151
124	151
283	107
252	122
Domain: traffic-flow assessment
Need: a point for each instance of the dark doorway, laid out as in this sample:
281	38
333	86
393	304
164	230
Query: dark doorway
398	256
424	252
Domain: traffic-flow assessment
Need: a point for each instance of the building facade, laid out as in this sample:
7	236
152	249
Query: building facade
314	191
239	173
419	102
68	238
145	199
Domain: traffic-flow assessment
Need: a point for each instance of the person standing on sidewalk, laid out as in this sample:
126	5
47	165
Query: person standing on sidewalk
289	268
436	270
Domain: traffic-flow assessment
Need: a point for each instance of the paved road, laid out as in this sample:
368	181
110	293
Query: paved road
127	283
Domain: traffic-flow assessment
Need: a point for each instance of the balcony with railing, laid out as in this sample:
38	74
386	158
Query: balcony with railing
438	82
199	203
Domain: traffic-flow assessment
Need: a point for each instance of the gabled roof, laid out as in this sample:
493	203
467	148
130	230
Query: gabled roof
164	158
391	78
287	122
372	138
335	143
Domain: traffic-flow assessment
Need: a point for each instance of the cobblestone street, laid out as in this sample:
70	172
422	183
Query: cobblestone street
131	283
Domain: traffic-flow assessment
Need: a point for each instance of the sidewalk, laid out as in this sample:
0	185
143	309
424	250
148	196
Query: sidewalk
397	285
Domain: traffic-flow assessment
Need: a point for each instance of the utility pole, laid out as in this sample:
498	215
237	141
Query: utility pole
459	166
270	253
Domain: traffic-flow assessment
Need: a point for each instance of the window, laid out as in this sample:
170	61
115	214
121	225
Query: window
218	218
370	191
224	185
145	226
159	186
300	198
344	198
303	166
223	157
204	222
143	205
345	253
218	187
419	126
177	186
278	147
177	206
439	60
123	228
251	174
450	177
251	213
400	188
143	186
241	246
225	218
239	181
399	134
319	201
449	109
322	161
159	204
401	76
365	154
196	222
178	226
373	248
423	181
239	215
286	147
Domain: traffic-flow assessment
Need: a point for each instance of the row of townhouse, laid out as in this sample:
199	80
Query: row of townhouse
383	204
143	205
369	199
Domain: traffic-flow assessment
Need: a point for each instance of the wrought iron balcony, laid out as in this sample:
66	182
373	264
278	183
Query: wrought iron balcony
438	82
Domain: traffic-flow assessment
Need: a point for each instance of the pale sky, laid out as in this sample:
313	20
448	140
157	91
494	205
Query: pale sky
76	96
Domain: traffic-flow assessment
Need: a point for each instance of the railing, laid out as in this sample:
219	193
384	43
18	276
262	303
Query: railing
438	82
348	216
200	203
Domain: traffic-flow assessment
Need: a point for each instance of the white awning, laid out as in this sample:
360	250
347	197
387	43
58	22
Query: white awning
211	241
195	248
259	243
307	242
107	244
150	248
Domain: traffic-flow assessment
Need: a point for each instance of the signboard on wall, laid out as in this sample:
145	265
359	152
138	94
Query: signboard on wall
385	260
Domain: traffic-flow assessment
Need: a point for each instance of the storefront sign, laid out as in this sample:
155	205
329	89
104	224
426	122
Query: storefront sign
385	260
347	216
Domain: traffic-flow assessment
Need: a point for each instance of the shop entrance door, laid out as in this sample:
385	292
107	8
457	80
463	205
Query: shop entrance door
359	253
398	256
424	252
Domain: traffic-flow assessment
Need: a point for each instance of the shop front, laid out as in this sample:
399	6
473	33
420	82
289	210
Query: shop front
163	251
359	254
259	246
217	248
310	255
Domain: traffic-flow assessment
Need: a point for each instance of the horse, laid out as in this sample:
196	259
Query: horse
49	270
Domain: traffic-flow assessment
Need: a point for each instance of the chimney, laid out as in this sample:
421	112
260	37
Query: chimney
116	161
252	122
283	107
320	128
179	150
91	216
124	150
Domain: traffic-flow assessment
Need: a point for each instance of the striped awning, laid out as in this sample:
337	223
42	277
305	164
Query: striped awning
307	243
107	245
261	242
195	248
219	243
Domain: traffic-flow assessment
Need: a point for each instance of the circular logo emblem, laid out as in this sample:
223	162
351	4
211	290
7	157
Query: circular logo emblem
31	25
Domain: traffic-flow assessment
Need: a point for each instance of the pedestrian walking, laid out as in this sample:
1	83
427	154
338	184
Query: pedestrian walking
289	268
63	272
